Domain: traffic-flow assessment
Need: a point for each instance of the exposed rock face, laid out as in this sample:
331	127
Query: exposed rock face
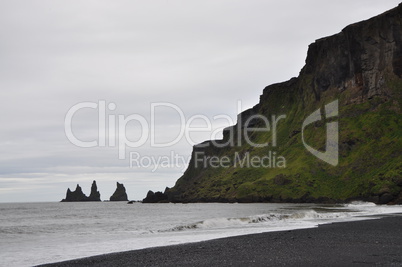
78	195
361	67
155	197
359	58
95	195
120	193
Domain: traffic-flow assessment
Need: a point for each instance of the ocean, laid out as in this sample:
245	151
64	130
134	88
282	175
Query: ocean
37	233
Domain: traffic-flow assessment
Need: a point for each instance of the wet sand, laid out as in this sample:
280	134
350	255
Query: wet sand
359	243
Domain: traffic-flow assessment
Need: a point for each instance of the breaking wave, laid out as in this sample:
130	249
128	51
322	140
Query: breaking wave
218	223
360	204
313	216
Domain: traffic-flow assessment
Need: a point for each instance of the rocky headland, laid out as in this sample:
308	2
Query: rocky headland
359	69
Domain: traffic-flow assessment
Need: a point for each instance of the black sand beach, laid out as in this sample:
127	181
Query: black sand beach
361	243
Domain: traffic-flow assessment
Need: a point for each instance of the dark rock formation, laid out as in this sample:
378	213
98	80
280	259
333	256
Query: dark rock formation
78	195
359	58
155	197
120	193
95	195
360	69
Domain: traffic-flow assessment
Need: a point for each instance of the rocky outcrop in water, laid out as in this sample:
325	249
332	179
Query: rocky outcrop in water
78	195
120	193
95	195
155	197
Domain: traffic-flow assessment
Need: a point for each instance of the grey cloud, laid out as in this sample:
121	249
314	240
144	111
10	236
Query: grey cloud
200	55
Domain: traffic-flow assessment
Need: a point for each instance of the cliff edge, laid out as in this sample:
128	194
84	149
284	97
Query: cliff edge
358	74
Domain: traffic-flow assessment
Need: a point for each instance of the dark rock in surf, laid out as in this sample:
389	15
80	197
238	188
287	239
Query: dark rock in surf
77	195
120	193
155	197
95	195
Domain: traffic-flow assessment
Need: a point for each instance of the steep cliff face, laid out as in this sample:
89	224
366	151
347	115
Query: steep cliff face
120	193
358	59
361	69
78	195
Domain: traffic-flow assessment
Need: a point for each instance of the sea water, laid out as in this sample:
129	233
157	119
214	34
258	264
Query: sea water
37	233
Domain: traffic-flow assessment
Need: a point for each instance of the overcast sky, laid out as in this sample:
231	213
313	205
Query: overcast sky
200	56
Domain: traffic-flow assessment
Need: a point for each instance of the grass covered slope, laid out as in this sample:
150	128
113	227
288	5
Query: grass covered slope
361	68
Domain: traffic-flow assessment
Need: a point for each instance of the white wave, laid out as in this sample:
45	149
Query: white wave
219	223
371	209
360	204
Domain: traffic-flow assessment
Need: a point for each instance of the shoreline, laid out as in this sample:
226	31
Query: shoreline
357	243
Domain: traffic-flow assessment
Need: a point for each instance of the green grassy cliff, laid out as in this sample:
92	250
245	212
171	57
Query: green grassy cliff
361	67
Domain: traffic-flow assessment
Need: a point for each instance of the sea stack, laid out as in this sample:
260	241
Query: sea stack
120	193
95	195
78	195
